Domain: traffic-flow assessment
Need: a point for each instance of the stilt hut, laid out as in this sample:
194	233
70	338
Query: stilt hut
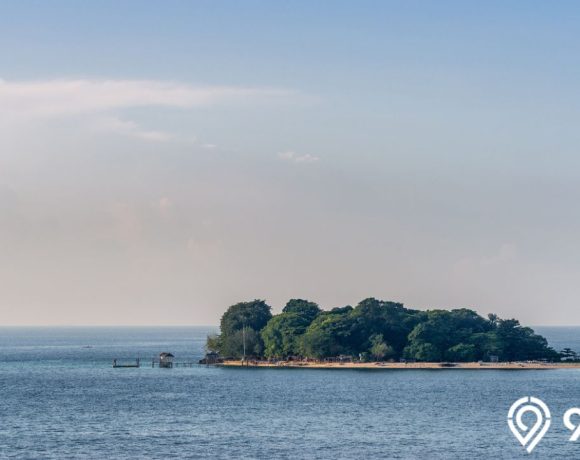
166	360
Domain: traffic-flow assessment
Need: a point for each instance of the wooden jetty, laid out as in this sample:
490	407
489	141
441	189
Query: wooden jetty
127	363
165	361
155	363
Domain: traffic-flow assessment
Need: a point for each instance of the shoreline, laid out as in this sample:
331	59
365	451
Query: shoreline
381	365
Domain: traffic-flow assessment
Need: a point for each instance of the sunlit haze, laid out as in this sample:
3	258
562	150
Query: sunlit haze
160	161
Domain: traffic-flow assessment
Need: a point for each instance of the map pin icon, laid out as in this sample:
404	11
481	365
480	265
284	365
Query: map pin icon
529	436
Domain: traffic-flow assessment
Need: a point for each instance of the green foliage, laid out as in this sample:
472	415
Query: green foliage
379	349
567	354
328	335
375	329
213	343
244	319
233	344
303	308
282	334
423	351
254	314
441	333
519	343
462	353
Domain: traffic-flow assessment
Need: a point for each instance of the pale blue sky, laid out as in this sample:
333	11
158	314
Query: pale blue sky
161	160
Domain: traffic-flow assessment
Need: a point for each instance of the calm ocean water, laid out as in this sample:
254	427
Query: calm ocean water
61	400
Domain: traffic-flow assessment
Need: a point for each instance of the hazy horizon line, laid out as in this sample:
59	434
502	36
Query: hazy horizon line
136	326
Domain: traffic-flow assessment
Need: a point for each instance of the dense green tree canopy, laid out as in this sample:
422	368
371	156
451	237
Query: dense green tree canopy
282	334
303	308
390	319
254	315
328	335
374	329
241	325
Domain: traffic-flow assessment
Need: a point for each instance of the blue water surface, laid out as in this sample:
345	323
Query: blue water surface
62	400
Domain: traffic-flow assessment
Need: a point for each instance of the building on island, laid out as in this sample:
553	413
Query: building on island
211	357
166	360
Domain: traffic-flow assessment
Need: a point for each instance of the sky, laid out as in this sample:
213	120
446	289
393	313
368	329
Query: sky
160	161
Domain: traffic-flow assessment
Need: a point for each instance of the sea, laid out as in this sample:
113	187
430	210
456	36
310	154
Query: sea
60	398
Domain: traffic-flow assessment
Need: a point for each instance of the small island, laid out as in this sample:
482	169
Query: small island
375	333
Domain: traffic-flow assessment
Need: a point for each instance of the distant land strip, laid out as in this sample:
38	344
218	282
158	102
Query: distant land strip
386	365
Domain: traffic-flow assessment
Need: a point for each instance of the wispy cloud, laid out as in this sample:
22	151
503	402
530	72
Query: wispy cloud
131	129
62	97
99	103
294	157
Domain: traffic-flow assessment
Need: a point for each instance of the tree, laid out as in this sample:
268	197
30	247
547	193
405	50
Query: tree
254	315
446	330
247	340
519	343
390	319
423	351
462	353
493	319
213	343
282	334
303	308
243	320
328	335
379	349
486	344
567	354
